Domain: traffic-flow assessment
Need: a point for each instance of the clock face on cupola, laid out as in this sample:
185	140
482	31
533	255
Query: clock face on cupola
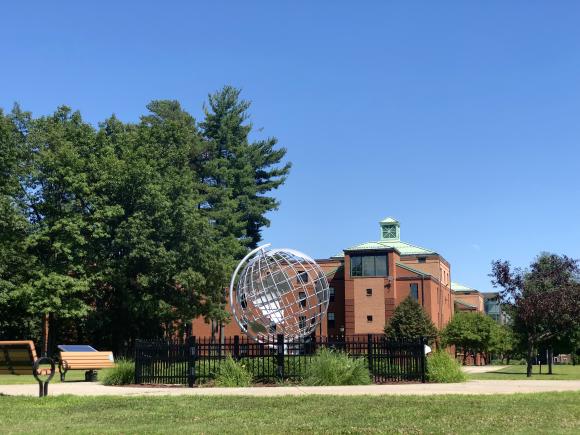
390	229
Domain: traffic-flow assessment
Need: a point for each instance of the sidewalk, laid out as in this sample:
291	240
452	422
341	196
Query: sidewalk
471	387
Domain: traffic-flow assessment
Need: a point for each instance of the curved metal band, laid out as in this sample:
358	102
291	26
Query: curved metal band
232	281
38	362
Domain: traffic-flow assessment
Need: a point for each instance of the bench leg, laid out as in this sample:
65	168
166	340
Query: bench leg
62	370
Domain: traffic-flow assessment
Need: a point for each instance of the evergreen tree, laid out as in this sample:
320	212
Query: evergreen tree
239	173
409	322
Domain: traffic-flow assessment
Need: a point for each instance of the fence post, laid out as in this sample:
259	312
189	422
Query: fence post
280	356
138	363
423	342
236	347
370	351
191	355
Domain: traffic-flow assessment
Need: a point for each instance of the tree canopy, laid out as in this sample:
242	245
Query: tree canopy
472	332
543	300
123	230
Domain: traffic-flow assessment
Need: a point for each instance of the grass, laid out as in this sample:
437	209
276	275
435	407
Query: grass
72	376
517	413
330	367
232	374
123	373
518	372
442	367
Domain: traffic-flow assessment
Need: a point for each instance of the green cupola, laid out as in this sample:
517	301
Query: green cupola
390	229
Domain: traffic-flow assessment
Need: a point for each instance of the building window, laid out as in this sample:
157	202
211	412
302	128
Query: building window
369	292
243	301
422	259
302	299
368	265
356	265
330	317
331	294
369	318
389	232
414	293
302	277
302	322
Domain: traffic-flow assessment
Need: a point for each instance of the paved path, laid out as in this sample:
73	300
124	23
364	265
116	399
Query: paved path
471	387
481	369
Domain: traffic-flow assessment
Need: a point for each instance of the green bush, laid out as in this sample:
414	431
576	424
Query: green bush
123	373
443	368
232	374
329	367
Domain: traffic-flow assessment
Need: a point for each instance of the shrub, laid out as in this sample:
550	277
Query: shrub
123	373
232	374
330	367
442	367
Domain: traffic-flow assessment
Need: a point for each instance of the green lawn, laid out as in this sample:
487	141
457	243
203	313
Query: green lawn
517	413
76	375
561	373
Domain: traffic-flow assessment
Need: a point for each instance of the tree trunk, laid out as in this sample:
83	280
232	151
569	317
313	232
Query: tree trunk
530	357
550	359
45	331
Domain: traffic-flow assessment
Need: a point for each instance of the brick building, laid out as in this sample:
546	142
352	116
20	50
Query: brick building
470	299
370	279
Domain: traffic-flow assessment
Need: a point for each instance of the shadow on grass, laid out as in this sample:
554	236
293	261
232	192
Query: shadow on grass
523	375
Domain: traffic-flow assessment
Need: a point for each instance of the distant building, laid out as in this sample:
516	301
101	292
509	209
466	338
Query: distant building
370	279
469	299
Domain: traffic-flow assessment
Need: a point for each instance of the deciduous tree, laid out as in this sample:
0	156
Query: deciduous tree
544	299
471	332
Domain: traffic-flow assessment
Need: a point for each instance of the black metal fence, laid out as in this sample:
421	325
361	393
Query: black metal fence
197	360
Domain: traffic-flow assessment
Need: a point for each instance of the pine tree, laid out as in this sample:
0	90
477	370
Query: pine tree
239	173
409	322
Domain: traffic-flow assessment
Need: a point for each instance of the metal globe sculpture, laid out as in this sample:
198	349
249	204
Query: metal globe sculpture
279	291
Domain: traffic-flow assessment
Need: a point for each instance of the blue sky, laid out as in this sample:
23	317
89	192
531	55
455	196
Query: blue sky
460	119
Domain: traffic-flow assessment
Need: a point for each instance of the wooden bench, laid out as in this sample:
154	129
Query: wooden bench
89	361
19	358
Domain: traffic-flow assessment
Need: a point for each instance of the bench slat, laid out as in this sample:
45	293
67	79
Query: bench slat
16	371
17	357
87	360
